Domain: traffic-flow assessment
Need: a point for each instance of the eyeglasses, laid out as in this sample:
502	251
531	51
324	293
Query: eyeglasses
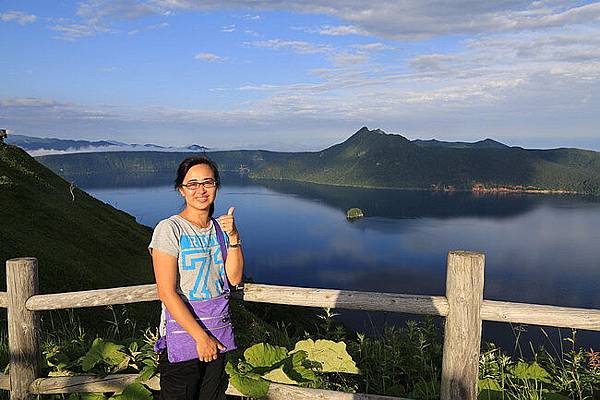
207	184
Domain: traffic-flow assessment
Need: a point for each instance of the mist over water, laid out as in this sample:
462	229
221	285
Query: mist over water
539	249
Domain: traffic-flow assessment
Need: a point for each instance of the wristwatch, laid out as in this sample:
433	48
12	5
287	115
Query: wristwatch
235	246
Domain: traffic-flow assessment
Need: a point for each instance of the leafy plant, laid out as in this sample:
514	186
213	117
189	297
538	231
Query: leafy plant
106	353
545	377
264	363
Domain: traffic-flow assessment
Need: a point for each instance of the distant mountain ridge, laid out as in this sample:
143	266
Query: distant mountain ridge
41	146
481	144
373	158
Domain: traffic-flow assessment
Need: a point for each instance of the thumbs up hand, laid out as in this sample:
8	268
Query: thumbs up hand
227	223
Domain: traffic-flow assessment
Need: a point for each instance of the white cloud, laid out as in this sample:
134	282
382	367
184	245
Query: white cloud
297	46
18	16
345	58
77	31
31	109
372	47
341	30
260	88
160	25
109	70
400	20
431	62
27	102
152	27
209	57
228	28
339	57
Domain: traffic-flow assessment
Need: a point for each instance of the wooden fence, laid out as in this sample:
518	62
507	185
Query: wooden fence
463	307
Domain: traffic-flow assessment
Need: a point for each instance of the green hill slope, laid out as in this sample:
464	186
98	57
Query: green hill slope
374	159
80	244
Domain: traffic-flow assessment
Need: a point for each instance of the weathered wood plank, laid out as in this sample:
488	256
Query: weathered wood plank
347	299
116	383
3	300
23	326
307	297
285	392
4	382
87	384
462	332
537	314
93	298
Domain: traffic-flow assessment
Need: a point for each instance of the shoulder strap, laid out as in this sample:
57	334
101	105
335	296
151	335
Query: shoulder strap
223	246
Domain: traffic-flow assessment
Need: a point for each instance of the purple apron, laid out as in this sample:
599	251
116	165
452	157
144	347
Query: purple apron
212	314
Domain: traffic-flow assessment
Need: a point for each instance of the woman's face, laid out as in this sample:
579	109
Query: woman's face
200	198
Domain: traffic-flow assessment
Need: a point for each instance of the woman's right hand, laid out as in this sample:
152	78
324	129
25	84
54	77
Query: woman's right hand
208	348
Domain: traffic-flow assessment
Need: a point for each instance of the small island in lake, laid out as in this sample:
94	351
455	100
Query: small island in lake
354	213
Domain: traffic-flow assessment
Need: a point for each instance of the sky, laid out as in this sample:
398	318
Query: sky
301	75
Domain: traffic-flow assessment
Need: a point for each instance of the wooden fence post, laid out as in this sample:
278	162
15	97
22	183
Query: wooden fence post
23	326
462	332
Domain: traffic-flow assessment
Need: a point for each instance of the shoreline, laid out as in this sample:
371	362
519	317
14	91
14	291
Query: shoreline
500	190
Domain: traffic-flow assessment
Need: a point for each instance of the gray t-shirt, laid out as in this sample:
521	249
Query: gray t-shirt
200	262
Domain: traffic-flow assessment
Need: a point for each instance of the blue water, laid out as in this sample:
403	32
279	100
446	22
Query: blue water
539	248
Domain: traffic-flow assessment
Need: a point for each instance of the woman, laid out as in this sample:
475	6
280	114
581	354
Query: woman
188	266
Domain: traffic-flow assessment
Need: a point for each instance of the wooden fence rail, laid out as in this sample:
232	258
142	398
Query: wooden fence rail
463	307
491	310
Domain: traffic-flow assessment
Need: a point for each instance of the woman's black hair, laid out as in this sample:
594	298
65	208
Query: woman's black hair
187	164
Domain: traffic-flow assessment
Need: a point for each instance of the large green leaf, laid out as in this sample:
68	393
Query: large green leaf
113	356
255	388
229	368
489	389
532	371
134	391
279	376
93	356
489	383
265	355
250	384
146	373
297	367
332	355
107	352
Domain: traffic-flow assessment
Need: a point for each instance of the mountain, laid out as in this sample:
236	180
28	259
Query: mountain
40	146
30	143
196	147
373	158
80	242
482	144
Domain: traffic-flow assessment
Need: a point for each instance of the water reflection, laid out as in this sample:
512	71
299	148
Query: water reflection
419	204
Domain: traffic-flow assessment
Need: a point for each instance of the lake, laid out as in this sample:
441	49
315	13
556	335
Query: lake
542	249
